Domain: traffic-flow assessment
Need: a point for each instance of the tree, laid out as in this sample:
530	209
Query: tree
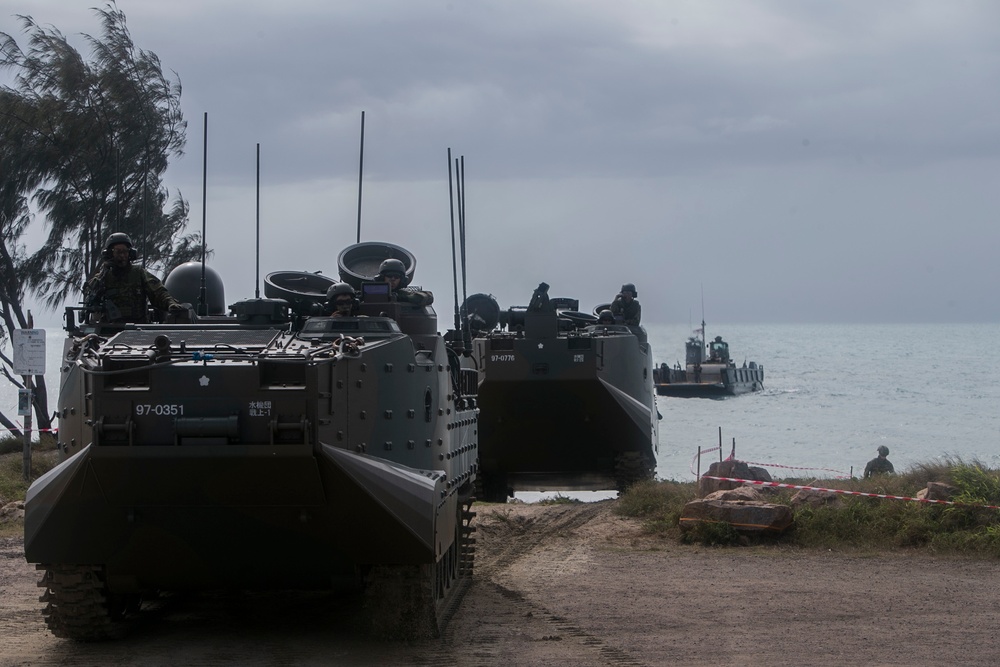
87	144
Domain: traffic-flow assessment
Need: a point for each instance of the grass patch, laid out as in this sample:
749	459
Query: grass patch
558	499
12	483
854	522
658	504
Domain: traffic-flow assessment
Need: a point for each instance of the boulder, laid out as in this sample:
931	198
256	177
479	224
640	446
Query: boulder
744	516
729	468
12	511
747	493
816	498
937	491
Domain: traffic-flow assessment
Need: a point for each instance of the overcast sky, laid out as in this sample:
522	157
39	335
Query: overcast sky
794	161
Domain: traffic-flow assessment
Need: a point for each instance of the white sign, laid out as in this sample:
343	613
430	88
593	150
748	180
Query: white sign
29	351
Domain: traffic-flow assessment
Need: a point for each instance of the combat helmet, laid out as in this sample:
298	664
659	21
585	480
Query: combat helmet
338	289
629	287
115	239
393	266
606	317
883	450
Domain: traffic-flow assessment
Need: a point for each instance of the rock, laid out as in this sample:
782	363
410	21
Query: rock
12	511
744	516
815	498
729	468
747	493
937	491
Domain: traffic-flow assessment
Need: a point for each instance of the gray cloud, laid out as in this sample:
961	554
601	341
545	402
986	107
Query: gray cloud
796	161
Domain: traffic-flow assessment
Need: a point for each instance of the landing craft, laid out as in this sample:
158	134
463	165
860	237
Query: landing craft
567	402
274	447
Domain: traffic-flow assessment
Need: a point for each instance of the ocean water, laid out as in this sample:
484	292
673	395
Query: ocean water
832	394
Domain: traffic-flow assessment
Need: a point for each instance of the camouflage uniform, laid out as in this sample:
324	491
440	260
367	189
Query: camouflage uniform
630	312
879	466
120	294
414	297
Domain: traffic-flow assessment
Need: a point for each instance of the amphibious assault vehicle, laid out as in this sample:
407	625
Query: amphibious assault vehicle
274	447
567	402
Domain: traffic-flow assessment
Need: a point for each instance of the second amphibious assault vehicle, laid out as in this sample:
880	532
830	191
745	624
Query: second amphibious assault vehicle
567	403
274	448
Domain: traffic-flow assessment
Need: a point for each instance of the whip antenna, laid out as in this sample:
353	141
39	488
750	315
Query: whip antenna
361	171
202	295
466	333
454	259
257	251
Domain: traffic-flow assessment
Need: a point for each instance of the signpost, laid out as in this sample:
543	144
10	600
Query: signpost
29	361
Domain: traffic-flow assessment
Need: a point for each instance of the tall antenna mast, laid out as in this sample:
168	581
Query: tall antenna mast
467	334
454	259
202	294
361	171
257	253
145	203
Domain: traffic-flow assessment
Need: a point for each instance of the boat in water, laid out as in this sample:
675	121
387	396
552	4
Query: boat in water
566	403
711	375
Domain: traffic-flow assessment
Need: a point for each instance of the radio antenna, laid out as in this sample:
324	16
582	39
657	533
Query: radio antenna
257	252
454	259
361	171
467	335
202	295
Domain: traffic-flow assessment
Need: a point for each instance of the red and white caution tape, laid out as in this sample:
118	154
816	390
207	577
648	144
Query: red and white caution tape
700	453
840	473
781	485
31	430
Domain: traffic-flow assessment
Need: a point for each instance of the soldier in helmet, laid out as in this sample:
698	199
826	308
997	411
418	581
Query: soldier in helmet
625	308
606	317
393	272
342	300
120	291
879	465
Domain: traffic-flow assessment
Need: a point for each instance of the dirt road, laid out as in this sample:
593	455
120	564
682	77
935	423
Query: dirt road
576	585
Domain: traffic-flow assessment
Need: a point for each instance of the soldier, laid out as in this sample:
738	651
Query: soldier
120	291
342	300
880	465
606	317
625	308
393	272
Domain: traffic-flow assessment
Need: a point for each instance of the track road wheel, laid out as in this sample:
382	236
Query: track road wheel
492	487
78	605
631	467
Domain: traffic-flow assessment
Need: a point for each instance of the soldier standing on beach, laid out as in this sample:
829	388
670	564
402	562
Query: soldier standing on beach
880	465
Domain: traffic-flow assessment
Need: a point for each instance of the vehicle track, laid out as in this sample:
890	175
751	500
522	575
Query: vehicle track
477	639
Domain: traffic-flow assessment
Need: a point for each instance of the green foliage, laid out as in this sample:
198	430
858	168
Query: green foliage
659	504
12	483
712	534
852	522
976	484
87	142
558	499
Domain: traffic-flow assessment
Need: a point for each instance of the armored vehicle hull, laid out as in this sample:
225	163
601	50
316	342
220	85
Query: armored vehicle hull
314	453
566	404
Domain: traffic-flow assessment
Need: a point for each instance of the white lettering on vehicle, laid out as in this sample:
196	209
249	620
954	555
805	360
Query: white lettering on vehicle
502	357
159	409
260	408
